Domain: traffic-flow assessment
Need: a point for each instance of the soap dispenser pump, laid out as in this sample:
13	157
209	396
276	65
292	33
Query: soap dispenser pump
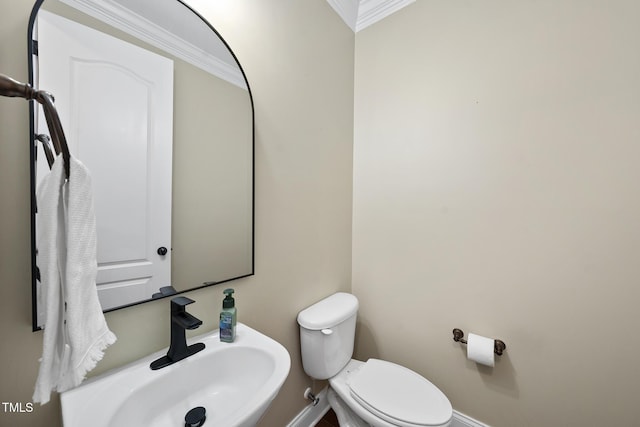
228	317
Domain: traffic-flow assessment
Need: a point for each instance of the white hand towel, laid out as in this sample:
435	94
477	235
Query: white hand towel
76	333
50	229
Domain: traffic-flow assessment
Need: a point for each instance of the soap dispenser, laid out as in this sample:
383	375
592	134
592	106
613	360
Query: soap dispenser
228	317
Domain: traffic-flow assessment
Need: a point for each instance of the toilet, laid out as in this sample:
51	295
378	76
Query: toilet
376	392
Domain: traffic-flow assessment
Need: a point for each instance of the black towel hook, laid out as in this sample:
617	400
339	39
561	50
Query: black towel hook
12	88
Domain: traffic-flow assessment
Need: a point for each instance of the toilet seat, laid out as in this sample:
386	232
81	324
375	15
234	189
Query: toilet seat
399	395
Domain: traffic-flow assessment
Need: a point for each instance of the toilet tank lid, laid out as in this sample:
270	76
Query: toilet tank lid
328	312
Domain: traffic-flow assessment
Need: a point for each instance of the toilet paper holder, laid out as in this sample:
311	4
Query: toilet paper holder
498	346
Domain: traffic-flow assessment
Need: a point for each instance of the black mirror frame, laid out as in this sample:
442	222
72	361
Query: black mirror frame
32	50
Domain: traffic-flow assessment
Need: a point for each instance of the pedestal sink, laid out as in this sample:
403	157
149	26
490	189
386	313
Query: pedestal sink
233	382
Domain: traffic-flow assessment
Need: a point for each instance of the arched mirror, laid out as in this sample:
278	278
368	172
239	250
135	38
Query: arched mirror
153	101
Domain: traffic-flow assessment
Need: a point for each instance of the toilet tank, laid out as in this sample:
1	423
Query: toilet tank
327	333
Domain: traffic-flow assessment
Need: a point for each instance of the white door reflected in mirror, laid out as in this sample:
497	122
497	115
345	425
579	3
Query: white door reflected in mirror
115	101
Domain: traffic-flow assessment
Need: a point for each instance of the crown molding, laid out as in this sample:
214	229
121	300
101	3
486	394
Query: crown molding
348	11
359	14
372	11
124	19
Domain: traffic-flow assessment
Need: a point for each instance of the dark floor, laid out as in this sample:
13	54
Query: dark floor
329	420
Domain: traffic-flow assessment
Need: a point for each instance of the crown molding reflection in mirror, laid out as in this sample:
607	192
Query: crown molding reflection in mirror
117	14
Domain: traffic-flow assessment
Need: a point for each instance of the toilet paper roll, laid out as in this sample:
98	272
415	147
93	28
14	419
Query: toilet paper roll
480	350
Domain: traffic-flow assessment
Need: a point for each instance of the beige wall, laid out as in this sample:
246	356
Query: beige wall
298	57
496	189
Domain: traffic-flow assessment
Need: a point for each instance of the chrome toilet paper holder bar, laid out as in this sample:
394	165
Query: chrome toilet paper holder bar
498	346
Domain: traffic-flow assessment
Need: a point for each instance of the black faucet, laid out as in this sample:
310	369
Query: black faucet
180	321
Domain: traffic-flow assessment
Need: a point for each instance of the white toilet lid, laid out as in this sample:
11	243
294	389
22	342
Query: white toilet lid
399	395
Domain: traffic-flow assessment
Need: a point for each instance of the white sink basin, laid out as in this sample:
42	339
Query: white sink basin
234	382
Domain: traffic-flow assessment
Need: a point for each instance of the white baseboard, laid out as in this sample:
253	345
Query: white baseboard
462	420
311	415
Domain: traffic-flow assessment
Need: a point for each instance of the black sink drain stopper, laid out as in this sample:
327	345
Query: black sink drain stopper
195	417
